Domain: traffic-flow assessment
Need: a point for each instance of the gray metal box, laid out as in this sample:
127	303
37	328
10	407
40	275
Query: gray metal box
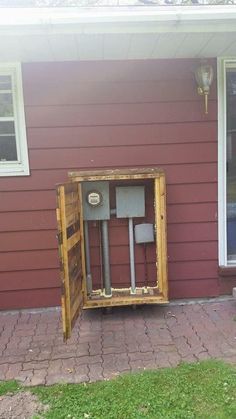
144	233
102	211
130	201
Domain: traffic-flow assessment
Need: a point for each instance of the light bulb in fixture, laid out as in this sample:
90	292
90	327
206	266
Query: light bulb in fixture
204	77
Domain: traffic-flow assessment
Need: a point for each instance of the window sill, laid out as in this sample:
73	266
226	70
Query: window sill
15	171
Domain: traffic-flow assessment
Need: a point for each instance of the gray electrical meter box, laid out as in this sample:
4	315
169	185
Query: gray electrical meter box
96	202
144	233
130	201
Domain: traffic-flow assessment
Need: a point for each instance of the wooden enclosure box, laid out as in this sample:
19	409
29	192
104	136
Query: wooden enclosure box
72	247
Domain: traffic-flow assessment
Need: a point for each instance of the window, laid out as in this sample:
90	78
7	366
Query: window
227	161
13	144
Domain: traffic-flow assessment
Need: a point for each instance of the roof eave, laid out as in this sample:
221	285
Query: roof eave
119	19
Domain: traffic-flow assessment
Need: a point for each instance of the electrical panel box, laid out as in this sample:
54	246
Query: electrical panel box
130	201
119	250
95	201
144	233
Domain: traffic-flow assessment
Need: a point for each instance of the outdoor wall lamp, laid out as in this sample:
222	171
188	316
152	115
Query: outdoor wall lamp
204	77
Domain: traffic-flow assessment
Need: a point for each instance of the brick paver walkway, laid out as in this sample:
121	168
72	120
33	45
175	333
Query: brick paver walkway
104	345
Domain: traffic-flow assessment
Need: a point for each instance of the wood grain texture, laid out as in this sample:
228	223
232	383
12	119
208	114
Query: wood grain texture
156	254
70	250
160	222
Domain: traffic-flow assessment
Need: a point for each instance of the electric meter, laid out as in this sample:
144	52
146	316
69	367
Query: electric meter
94	198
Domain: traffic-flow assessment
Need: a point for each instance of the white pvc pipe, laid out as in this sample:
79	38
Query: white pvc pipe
131	255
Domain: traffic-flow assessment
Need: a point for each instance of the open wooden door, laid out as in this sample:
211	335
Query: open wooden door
71	253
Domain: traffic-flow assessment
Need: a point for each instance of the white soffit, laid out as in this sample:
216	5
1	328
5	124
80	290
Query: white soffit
68	34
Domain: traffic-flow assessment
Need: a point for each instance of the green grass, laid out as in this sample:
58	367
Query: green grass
9	387
206	390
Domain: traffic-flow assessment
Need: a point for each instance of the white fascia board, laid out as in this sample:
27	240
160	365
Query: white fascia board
118	19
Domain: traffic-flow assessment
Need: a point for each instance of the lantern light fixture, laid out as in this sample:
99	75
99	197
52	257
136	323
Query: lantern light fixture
204	77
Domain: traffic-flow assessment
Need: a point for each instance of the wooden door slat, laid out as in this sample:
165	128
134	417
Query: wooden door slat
72	208
69	237
71	242
72	219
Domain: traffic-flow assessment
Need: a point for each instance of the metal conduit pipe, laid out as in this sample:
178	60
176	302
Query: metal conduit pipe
131	255
89	285
106	259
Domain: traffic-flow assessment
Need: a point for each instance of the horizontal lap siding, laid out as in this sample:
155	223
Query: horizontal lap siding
122	114
103	115
54	137
43	179
142	155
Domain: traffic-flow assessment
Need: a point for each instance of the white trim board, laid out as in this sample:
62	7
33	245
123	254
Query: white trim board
119	19
20	167
79	33
222	63
108	33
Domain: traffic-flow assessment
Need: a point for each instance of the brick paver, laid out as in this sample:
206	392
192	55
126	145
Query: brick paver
104	345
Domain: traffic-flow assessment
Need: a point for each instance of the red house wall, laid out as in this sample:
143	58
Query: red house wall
111	114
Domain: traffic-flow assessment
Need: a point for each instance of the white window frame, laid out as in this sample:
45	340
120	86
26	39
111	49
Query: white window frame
21	166
222	64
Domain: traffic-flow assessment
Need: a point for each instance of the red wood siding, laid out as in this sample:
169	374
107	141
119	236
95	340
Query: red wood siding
102	115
